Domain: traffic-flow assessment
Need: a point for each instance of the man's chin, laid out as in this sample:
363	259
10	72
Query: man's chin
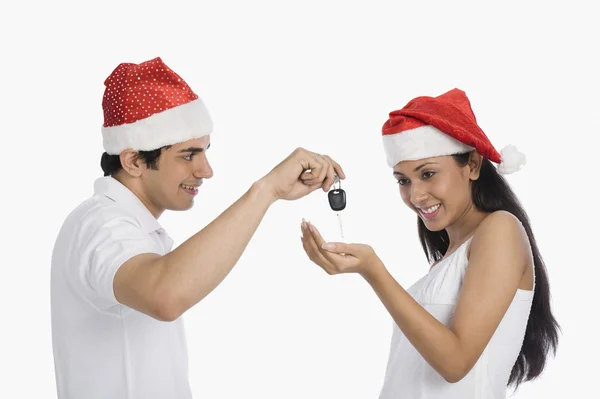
182	207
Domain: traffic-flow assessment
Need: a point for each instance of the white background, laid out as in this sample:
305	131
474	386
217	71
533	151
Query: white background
276	75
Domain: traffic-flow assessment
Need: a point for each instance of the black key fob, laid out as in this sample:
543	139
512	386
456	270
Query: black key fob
337	199
337	196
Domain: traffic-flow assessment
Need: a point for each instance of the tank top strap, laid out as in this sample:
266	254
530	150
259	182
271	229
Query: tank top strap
466	245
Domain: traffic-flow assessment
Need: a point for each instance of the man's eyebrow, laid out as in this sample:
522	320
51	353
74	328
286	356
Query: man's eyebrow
193	149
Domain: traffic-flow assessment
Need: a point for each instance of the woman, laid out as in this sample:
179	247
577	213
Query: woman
480	319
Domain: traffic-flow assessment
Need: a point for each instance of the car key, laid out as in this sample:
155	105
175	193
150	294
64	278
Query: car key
337	201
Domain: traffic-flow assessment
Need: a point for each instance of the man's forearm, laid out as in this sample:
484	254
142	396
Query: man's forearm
199	265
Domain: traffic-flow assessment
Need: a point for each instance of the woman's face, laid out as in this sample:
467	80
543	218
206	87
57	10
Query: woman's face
438	189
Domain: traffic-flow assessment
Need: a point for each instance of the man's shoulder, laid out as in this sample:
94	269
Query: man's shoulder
97	212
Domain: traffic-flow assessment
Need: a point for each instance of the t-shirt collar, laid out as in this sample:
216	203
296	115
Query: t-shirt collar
116	191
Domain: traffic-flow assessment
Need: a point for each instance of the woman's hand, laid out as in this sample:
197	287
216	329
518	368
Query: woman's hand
336	257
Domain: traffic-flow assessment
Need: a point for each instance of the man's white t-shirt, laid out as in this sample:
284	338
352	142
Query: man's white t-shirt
103	349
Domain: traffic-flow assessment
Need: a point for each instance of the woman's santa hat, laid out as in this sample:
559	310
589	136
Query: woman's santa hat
445	125
148	106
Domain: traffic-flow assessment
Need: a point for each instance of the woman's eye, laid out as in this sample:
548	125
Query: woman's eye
428	175
188	157
402	181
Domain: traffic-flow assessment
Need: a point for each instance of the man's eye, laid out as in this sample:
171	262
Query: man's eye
188	157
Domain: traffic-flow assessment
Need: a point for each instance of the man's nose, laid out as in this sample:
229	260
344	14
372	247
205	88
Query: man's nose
203	169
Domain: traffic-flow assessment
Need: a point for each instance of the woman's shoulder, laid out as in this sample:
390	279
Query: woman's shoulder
500	217
500	220
500	229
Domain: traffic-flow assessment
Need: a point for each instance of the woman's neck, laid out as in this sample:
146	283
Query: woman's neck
464	226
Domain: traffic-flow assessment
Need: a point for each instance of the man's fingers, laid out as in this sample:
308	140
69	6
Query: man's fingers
337	168
307	176
330	176
306	159
323	168
313	167
319	169
325	176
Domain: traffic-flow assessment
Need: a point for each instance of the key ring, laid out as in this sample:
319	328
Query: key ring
336	179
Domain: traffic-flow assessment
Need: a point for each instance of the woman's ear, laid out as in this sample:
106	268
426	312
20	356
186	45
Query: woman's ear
474	164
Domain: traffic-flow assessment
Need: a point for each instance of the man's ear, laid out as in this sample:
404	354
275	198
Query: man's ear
475	161
131	162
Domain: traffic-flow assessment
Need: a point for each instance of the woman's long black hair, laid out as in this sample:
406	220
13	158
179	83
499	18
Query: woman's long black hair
492	193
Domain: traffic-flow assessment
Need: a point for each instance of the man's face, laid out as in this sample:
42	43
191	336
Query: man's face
181	170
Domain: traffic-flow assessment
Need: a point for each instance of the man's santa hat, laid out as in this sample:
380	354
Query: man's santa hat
445	125
148	106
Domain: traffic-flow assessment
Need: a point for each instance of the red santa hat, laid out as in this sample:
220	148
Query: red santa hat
148	106
445	125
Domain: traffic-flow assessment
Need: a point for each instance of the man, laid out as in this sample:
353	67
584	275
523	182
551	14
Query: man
117	289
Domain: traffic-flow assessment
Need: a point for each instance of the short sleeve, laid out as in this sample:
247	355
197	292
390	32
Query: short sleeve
109	240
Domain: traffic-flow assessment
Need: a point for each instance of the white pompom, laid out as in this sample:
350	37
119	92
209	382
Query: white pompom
512	160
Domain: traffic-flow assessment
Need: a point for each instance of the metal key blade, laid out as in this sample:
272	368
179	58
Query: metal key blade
340	223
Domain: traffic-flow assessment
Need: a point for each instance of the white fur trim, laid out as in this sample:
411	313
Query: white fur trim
512	160
419	143
176	125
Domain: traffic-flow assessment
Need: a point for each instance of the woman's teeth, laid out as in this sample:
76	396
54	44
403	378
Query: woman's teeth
431	209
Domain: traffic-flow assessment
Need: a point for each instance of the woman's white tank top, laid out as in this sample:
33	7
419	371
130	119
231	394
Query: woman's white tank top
409	376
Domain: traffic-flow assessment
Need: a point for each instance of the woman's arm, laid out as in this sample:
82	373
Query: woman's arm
498	256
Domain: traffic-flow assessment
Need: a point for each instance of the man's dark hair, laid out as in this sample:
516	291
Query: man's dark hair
111	164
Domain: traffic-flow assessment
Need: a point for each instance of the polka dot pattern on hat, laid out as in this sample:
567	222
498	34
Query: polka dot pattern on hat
137	91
